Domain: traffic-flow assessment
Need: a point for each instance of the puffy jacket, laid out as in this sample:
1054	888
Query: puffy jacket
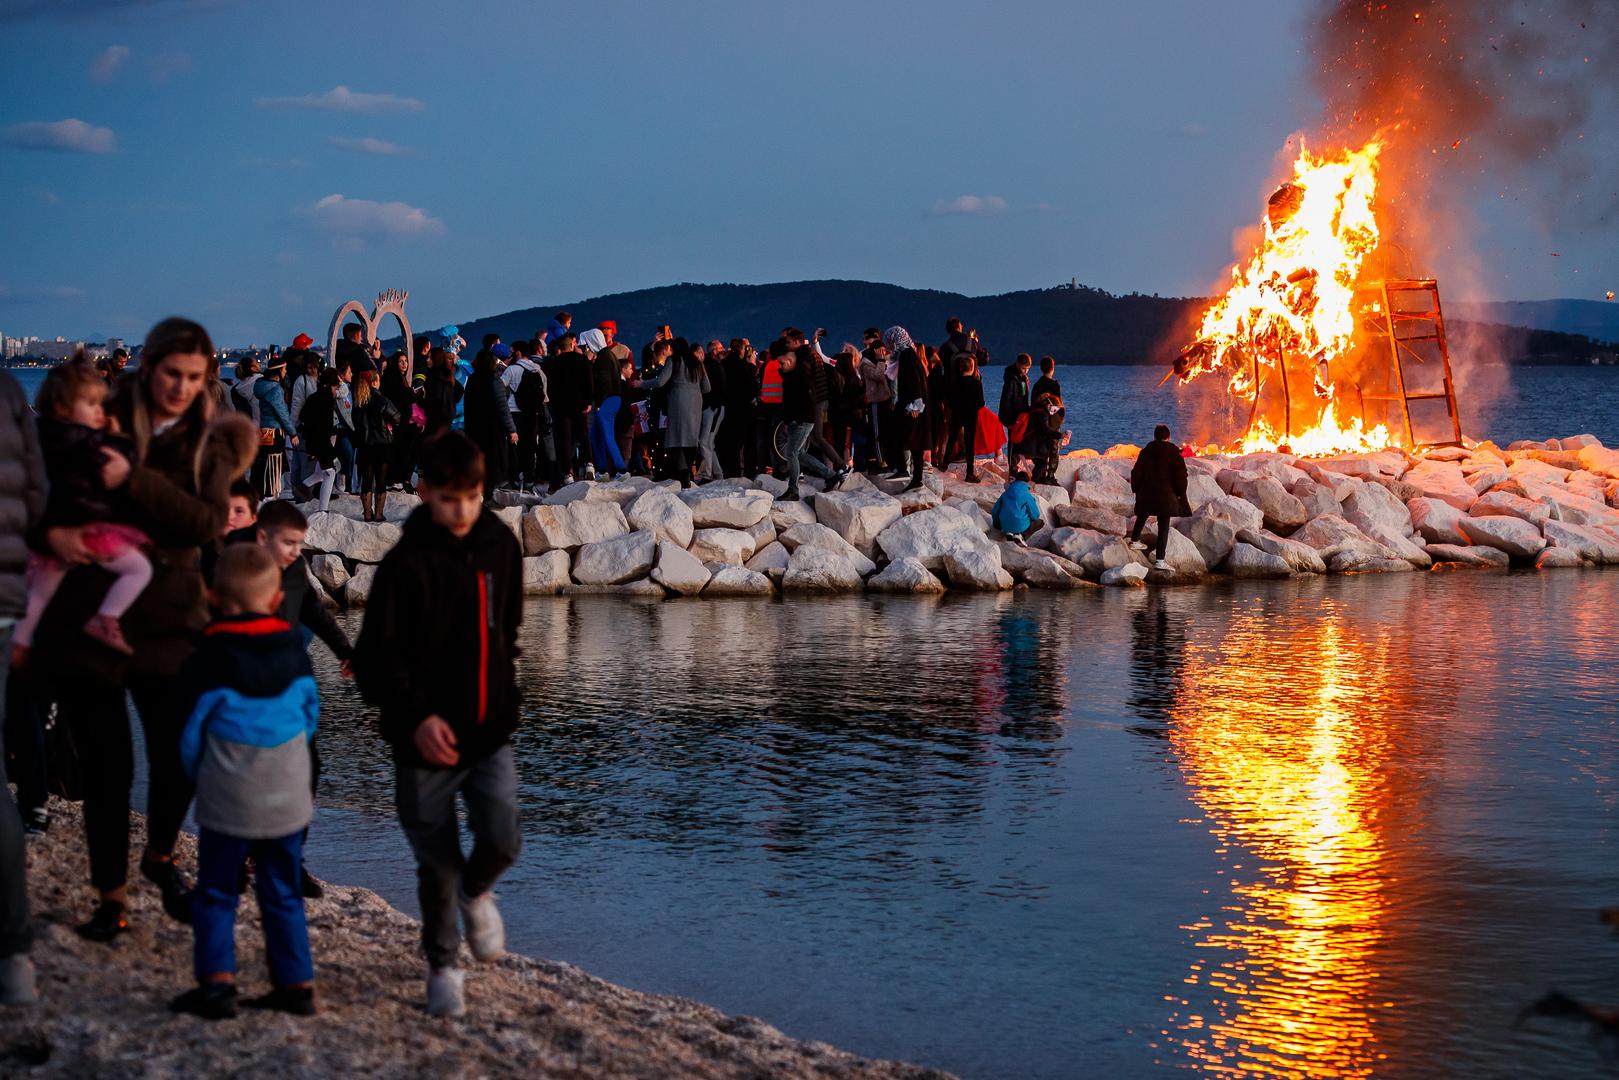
273	411
247	740
1016	509
1159	479
22	492
440	636
375	421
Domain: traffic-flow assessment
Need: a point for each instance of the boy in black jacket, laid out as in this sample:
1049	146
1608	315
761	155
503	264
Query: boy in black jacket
436	655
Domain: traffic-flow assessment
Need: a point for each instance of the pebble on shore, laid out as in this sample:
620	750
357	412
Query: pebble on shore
103	1011
1533	504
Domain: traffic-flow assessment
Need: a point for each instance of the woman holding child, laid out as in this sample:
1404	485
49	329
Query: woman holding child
175	488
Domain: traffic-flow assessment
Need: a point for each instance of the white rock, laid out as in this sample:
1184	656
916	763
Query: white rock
546	575
1377	504
678	570
775	485
736	581
784	515
905	576
1300	558
1558	558
1075	544
722	507
762	532
1486	478
821	536
1235	511
1115	554
819	569
512	518
1110	499
1317	498
358	588
1506	504
773	556
731	546
1468	555
1201	488
977	568
330	571
1331	535
357	541
1127	574
1442	480
568	526
1516	537
1282	512
1213	537
1436	521
1590	543
1179	552
1359	562
858	516
662	513
1400	544
615	561
1022	562
1103	474
1599	460
973	510
928	534
1247	561
922	498
1093	518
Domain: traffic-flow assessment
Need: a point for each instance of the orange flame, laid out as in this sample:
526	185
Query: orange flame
1292	302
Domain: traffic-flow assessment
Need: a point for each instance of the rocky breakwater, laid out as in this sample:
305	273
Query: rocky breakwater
102	1009
1543	504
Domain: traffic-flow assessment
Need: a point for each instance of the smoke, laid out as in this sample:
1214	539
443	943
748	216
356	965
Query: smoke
1504	98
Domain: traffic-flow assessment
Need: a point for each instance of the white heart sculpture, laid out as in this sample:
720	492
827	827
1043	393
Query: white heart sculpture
389	302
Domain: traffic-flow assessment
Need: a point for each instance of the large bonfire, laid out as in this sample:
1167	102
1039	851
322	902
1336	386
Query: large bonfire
1289	318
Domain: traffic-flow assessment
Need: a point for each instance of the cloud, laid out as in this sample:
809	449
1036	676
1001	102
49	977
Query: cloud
982	205
167	65
37	293
363	217
368	145
342	99
104	68
63	136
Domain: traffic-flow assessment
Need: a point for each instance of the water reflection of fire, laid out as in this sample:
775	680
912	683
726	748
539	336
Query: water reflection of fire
1287	767
1290	317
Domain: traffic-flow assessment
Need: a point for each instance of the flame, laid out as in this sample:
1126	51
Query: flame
1291	303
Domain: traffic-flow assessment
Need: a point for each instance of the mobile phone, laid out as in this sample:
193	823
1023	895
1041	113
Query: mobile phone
666	331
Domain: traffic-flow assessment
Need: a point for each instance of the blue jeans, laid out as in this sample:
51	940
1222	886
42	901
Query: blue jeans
603	439
798	436
281	905
15	936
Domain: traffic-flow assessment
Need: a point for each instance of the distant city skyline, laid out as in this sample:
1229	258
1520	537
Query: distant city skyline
254	166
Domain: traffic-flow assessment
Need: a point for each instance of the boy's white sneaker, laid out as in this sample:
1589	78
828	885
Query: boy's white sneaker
1162	565
1137	545
486	933
444	996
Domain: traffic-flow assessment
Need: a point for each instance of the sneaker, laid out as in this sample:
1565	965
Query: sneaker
211	1001
790	495
590	472
106	922
176	890
17	980
1017	538
486	933
444	996
568	479
1162	565
297	1000
105	629
311	886
1137	545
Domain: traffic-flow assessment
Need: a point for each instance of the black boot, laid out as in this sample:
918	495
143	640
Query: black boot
297	1000
211	1001
173	886
105	924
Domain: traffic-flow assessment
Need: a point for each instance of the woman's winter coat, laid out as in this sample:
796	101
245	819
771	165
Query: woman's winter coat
1159	479
319	433
685	407
375	421
488	418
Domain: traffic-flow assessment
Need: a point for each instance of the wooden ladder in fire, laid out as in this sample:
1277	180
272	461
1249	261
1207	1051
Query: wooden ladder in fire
1429	324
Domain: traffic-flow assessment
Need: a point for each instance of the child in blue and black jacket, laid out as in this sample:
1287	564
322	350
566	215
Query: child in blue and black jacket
247	746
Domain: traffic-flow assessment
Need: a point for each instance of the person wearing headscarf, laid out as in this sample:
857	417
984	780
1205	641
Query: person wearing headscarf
911	401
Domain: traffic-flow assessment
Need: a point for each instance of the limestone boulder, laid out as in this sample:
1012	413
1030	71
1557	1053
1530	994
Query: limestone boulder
858	516
977	569
905	576
1125	575
784	515
1376	504
1300	558
737	581
1234	511
923	498
1282	512
1021	562
662	513
1556	558
1590	543
1247	561
1482	480
1100	498
1506	504
1093	518
762	533
512	518
1213	537
730	546
1437	521
973	510
772	556
1200	488
1331	535
1600	460
1075	544
1398	543
330	571
720	507
357	590
570	526
1097	563
773	484
1179	552
1359	562
616	561
1104	474
1442	480
546	575
928	534
1317	499
819	569
1468	555
820	536
356	541
639	589
1518	538
678	570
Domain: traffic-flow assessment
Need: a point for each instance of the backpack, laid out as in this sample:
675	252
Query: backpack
530	394
247	404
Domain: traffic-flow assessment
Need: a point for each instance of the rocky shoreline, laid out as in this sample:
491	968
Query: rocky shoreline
1552	504
102	1009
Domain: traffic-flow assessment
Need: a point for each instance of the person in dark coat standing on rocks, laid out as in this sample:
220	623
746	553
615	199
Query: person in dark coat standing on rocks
910	401
573	390
966	399
22	505
1015	391
1159	481
489	418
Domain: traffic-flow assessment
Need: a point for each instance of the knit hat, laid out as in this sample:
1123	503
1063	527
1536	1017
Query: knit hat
302	341
502	351
897	339
608	326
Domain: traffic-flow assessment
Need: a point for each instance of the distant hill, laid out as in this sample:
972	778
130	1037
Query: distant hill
1077	325
1597	319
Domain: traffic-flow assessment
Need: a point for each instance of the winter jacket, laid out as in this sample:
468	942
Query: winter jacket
302	387
1014	396
375	420
22	493
247	740
966	398
876	382
715	396
570	382
398	391
1045	385
440	636
912	383
1016	509
300	604
488	416
73	463
820	374
1159	479
741	385
272	402
798	404
440	395
685	405
319	433
607	372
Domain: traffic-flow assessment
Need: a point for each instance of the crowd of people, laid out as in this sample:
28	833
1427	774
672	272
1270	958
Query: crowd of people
145	558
